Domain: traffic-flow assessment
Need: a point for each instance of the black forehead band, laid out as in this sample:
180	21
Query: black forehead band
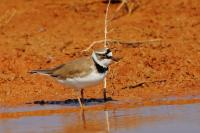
108	51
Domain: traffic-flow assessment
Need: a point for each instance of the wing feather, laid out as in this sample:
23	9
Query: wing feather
77	68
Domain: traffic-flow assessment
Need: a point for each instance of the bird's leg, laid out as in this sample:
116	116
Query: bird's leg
82	113
78	97
104	90
79	100
80	103
82	96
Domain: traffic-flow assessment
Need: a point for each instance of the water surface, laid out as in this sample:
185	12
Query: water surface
158	119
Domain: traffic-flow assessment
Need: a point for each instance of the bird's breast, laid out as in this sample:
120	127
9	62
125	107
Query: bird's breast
81	82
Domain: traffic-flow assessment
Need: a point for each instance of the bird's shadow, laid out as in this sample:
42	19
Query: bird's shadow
73	102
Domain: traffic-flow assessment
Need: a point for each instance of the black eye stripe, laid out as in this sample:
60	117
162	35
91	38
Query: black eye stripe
105	56
108	57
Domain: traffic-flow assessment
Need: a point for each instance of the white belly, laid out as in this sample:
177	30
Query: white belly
81	82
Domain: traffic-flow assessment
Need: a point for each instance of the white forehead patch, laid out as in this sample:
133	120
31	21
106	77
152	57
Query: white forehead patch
109	54
101	51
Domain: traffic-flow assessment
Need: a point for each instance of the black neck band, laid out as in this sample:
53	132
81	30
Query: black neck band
100	68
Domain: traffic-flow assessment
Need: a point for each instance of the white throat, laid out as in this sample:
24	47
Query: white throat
96	60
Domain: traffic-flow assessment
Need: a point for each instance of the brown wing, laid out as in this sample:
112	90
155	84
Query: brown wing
77	68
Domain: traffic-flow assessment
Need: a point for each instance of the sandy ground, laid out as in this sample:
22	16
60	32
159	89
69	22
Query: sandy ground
40	34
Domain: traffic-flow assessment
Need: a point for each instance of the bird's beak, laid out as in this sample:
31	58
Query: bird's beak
116	59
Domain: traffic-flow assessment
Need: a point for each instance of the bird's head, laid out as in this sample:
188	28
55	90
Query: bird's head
104	57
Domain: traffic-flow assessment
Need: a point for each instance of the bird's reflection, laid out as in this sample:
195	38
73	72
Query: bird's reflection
107	121
82	114
88	125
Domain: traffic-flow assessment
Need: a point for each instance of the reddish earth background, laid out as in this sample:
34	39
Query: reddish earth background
40	34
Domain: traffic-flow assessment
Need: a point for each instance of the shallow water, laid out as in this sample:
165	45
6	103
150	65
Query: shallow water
158	119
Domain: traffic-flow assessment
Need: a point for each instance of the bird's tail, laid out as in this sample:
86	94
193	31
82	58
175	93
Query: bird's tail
40	72
49	71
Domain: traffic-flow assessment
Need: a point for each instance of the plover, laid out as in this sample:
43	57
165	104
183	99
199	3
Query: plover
83	72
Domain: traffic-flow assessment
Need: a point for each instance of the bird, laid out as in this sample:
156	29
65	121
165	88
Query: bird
82	72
